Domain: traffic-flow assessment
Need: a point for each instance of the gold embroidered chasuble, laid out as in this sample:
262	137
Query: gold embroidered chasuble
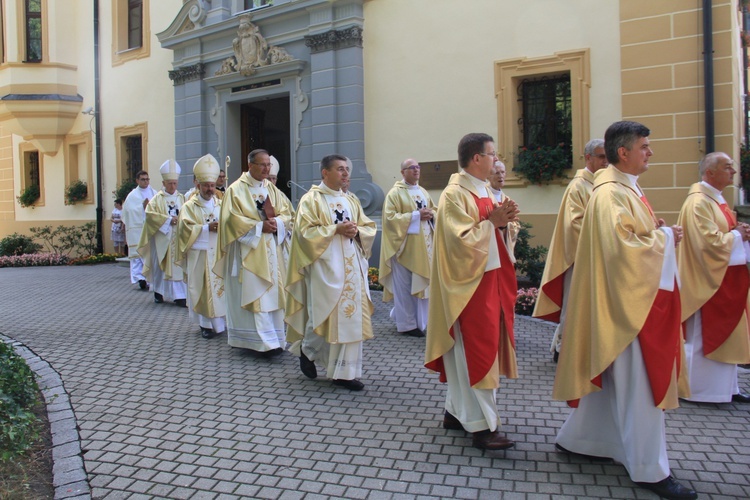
262	269
338	303
205	289
702	260
462	249
413	251
160	209
615	283
562	249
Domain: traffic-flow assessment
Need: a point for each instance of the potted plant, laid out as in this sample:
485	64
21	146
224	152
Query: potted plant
124	189
543	164
29	196
75	192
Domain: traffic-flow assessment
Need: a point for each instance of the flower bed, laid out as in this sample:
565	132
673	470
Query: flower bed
35	260
525	300
373	278
94	259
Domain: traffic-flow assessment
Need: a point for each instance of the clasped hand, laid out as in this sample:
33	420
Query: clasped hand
425	214
504	213
269	226
347	229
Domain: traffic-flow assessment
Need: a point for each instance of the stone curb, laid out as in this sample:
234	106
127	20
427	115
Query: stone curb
68	473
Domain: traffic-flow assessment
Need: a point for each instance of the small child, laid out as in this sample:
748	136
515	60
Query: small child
118	228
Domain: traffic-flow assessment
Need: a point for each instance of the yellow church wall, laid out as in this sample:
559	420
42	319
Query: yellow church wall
662	75
132	92
428	83
137	91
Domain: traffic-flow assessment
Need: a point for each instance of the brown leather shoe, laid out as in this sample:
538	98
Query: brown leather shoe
491	440
451	423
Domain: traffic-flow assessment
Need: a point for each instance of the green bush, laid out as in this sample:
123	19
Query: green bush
124	189
29	196
76	191
18	244
529	260
17	400
68	240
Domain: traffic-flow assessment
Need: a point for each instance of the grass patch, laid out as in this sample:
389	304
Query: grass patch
28	476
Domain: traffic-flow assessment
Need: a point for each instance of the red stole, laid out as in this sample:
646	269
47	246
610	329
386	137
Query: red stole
493	301
728	215
724	310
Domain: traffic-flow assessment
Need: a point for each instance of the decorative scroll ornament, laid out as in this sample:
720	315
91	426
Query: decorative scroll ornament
335	39
251	51
186	74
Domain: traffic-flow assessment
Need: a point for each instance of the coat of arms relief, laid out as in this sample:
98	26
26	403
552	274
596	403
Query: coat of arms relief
251	51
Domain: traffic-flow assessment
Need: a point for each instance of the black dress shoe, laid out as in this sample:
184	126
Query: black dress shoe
158	298
207	333
142	284
582	455
307	367
669	488
272	352
741	397
181	302
413	333
451	423
352	385
491	440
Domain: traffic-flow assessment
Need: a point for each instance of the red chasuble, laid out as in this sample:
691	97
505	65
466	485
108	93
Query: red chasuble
493	301
724	310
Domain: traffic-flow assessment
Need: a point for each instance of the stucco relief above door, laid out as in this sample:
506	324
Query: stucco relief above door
251	51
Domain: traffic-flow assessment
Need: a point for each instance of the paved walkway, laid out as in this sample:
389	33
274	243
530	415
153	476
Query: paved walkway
164	413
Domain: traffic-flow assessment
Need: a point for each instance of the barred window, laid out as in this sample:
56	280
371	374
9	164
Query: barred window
133	156
546	118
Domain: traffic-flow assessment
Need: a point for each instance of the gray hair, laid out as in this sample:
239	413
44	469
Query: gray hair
592	145
709	162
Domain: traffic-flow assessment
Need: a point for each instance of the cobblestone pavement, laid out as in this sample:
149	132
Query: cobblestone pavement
164	413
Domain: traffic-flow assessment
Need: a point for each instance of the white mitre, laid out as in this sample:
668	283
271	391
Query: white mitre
206	169
274	166
170	170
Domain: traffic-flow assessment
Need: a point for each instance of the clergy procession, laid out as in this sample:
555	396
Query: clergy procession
647	313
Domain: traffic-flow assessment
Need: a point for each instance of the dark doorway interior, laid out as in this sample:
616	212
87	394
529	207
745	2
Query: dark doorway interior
265	125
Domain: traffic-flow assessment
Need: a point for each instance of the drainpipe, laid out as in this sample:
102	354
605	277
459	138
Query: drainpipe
744	74
98	134
708	75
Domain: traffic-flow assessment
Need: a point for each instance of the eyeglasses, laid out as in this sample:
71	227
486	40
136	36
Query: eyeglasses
144	179
493	154
601	156
412	167
267	165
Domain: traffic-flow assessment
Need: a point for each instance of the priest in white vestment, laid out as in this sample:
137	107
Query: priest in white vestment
406	250
197	249
252	230
134	216
328	298
158	244
712	261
